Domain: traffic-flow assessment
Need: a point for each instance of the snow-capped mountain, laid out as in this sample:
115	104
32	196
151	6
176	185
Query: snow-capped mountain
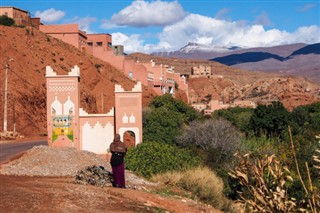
199	51
195	47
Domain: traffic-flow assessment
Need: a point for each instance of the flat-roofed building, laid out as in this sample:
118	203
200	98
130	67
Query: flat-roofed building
68	33
20	17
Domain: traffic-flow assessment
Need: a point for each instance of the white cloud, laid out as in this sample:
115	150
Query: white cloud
210	31
84	23
214	32
143	14
131	43
51	15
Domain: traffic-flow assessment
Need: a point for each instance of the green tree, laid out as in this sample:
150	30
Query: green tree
6	21
163	120
162	125
238	116
271	120
170	103
306	119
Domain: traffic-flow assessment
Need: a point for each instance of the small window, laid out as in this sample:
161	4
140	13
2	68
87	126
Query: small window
99	43
89	43
109	44
130	75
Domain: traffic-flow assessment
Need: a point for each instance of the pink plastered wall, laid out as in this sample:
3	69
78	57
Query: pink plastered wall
96	131
63	109
136	71
105	39
70	126
109	57
68	33
181	82
128	113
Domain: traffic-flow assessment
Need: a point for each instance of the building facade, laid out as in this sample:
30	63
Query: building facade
161	78
70	126
20	17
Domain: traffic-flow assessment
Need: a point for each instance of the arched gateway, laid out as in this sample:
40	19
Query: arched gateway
70	126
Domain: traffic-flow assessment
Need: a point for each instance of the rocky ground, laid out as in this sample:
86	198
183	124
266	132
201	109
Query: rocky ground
43	180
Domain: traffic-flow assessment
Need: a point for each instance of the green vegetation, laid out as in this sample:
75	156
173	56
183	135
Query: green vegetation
166	116
179	138
150	158
6	21
239	117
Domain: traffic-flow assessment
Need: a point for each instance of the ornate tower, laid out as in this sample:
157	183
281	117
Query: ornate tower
63	108
128	111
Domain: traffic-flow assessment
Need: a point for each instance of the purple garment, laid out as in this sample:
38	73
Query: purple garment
118	175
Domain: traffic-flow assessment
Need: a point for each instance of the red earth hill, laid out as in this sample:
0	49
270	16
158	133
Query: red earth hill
31	53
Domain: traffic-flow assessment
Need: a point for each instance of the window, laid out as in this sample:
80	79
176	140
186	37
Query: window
109	44
130	74
99	43
89	43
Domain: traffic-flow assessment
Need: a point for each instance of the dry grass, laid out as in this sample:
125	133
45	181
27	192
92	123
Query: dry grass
201	181
266	181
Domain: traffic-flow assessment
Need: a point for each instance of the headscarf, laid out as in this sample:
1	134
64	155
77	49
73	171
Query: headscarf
117	138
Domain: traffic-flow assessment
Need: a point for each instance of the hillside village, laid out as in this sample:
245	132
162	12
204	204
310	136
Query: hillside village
78	89
227	89
162	78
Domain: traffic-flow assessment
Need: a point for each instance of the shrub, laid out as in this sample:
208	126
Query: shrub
6	21
201	181
265	181
218	138
151	158
97	66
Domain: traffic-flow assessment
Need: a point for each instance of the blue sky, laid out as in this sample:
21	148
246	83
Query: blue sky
148	26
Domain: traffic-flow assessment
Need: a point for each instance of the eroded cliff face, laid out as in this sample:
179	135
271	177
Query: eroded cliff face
31	53
231	84
291	91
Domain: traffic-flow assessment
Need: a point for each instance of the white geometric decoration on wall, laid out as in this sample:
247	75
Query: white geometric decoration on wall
125	119
56	107
132	118
68	107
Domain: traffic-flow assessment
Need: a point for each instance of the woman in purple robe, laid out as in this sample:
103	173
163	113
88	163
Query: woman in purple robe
118	150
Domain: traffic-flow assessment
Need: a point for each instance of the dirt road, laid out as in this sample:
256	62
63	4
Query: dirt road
43	194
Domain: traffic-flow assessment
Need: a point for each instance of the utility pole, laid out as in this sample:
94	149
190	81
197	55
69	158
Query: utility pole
102	103
5	115
14	117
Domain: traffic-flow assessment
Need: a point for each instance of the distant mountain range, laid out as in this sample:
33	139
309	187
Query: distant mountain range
294	59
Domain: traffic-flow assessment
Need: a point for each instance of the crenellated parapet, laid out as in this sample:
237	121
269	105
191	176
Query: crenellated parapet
69	125
136	88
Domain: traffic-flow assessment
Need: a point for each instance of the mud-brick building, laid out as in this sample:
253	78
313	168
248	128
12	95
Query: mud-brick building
68	33
21	17
70	126
161	78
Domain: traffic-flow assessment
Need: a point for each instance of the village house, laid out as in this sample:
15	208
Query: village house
20	17
162	78
201	71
